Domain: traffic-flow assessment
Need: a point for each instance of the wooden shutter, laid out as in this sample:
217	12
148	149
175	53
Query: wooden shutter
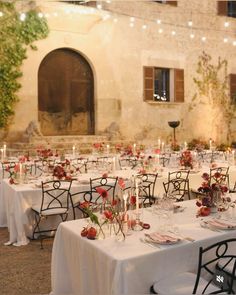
173	3
232	81
179	85
222	7
148	82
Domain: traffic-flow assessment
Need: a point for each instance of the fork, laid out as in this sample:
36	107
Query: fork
149	243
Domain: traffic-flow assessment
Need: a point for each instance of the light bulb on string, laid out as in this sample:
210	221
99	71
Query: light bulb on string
131	25
173	33
1	13
115	20
192	36
22	16
226	24
203	39
190	23
234	43
160	31
158	21
40	14
132	19
144	27
225	40
99	6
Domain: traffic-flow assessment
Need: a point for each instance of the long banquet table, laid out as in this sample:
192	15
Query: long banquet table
83	267
16	200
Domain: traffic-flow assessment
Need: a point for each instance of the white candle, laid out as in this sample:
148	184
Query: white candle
73	149
20	170
4	150
210	144
125	197
137	197
185	145
134	148
108	149
159	143
157	160
2	155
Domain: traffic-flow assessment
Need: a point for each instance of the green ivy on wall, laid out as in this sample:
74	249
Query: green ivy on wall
16	37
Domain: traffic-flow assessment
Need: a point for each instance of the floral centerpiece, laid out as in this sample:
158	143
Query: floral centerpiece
106	212
211	192
186	159
60	173
98	146
44	153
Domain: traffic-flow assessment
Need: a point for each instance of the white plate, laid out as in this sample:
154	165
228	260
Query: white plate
173	240
219	224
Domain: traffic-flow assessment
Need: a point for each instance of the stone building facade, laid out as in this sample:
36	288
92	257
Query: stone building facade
118	41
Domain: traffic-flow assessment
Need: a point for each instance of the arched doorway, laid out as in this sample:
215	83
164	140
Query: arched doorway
65	94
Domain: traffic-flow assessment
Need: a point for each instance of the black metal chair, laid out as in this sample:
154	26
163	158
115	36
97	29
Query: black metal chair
164	160
8	169
128	162
178	181
207	279
55	201
219	175
148	187
79	165
92	196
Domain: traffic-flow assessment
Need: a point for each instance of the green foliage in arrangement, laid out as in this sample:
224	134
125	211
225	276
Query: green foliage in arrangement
16	37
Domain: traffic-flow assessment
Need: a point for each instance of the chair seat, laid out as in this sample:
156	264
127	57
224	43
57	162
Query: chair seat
51	211
181	284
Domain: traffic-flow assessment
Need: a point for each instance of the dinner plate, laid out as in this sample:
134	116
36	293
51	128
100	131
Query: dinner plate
165	239
219	224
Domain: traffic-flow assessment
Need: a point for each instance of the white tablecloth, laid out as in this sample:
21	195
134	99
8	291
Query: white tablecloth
83	267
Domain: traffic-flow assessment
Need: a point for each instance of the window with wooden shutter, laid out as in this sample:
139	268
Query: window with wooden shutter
232	81
222	7
178	85
148	74
173	3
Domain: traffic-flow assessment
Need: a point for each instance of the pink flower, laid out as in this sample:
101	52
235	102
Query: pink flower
108	214
102	192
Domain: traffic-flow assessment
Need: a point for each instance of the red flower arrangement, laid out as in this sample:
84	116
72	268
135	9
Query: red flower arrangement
209	191
45	153
186	159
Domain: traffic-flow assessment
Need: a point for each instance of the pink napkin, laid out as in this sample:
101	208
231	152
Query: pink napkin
162	238
221	224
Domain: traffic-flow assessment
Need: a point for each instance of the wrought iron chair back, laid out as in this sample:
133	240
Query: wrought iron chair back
106	183
223	251
219	175
128	162
148	187
177	188
8	169
43	166
164	160
79	165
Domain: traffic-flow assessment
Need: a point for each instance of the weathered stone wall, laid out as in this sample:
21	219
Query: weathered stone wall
117	54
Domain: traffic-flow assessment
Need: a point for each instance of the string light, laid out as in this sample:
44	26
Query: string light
144	27
226	24
132	19
158	21
203	39
160	31
173	33
1	13
234	43
40	14
131	25
190	23
192	35
99	6
225	40
115	20
22	16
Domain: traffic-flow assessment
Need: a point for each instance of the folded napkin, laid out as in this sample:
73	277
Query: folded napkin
160	238
221	224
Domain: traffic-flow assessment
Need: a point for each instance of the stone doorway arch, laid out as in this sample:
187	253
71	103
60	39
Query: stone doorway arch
65	94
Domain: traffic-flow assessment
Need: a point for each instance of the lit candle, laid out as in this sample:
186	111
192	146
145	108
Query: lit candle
159	143
2	155
210	144
137	197
4	150
185	145
134	148
108	149
20	170
125	197
73	149
157	160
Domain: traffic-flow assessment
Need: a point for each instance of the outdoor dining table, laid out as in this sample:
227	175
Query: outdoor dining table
109	266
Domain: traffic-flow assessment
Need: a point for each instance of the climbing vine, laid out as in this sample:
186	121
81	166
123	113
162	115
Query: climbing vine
213	89
16	36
